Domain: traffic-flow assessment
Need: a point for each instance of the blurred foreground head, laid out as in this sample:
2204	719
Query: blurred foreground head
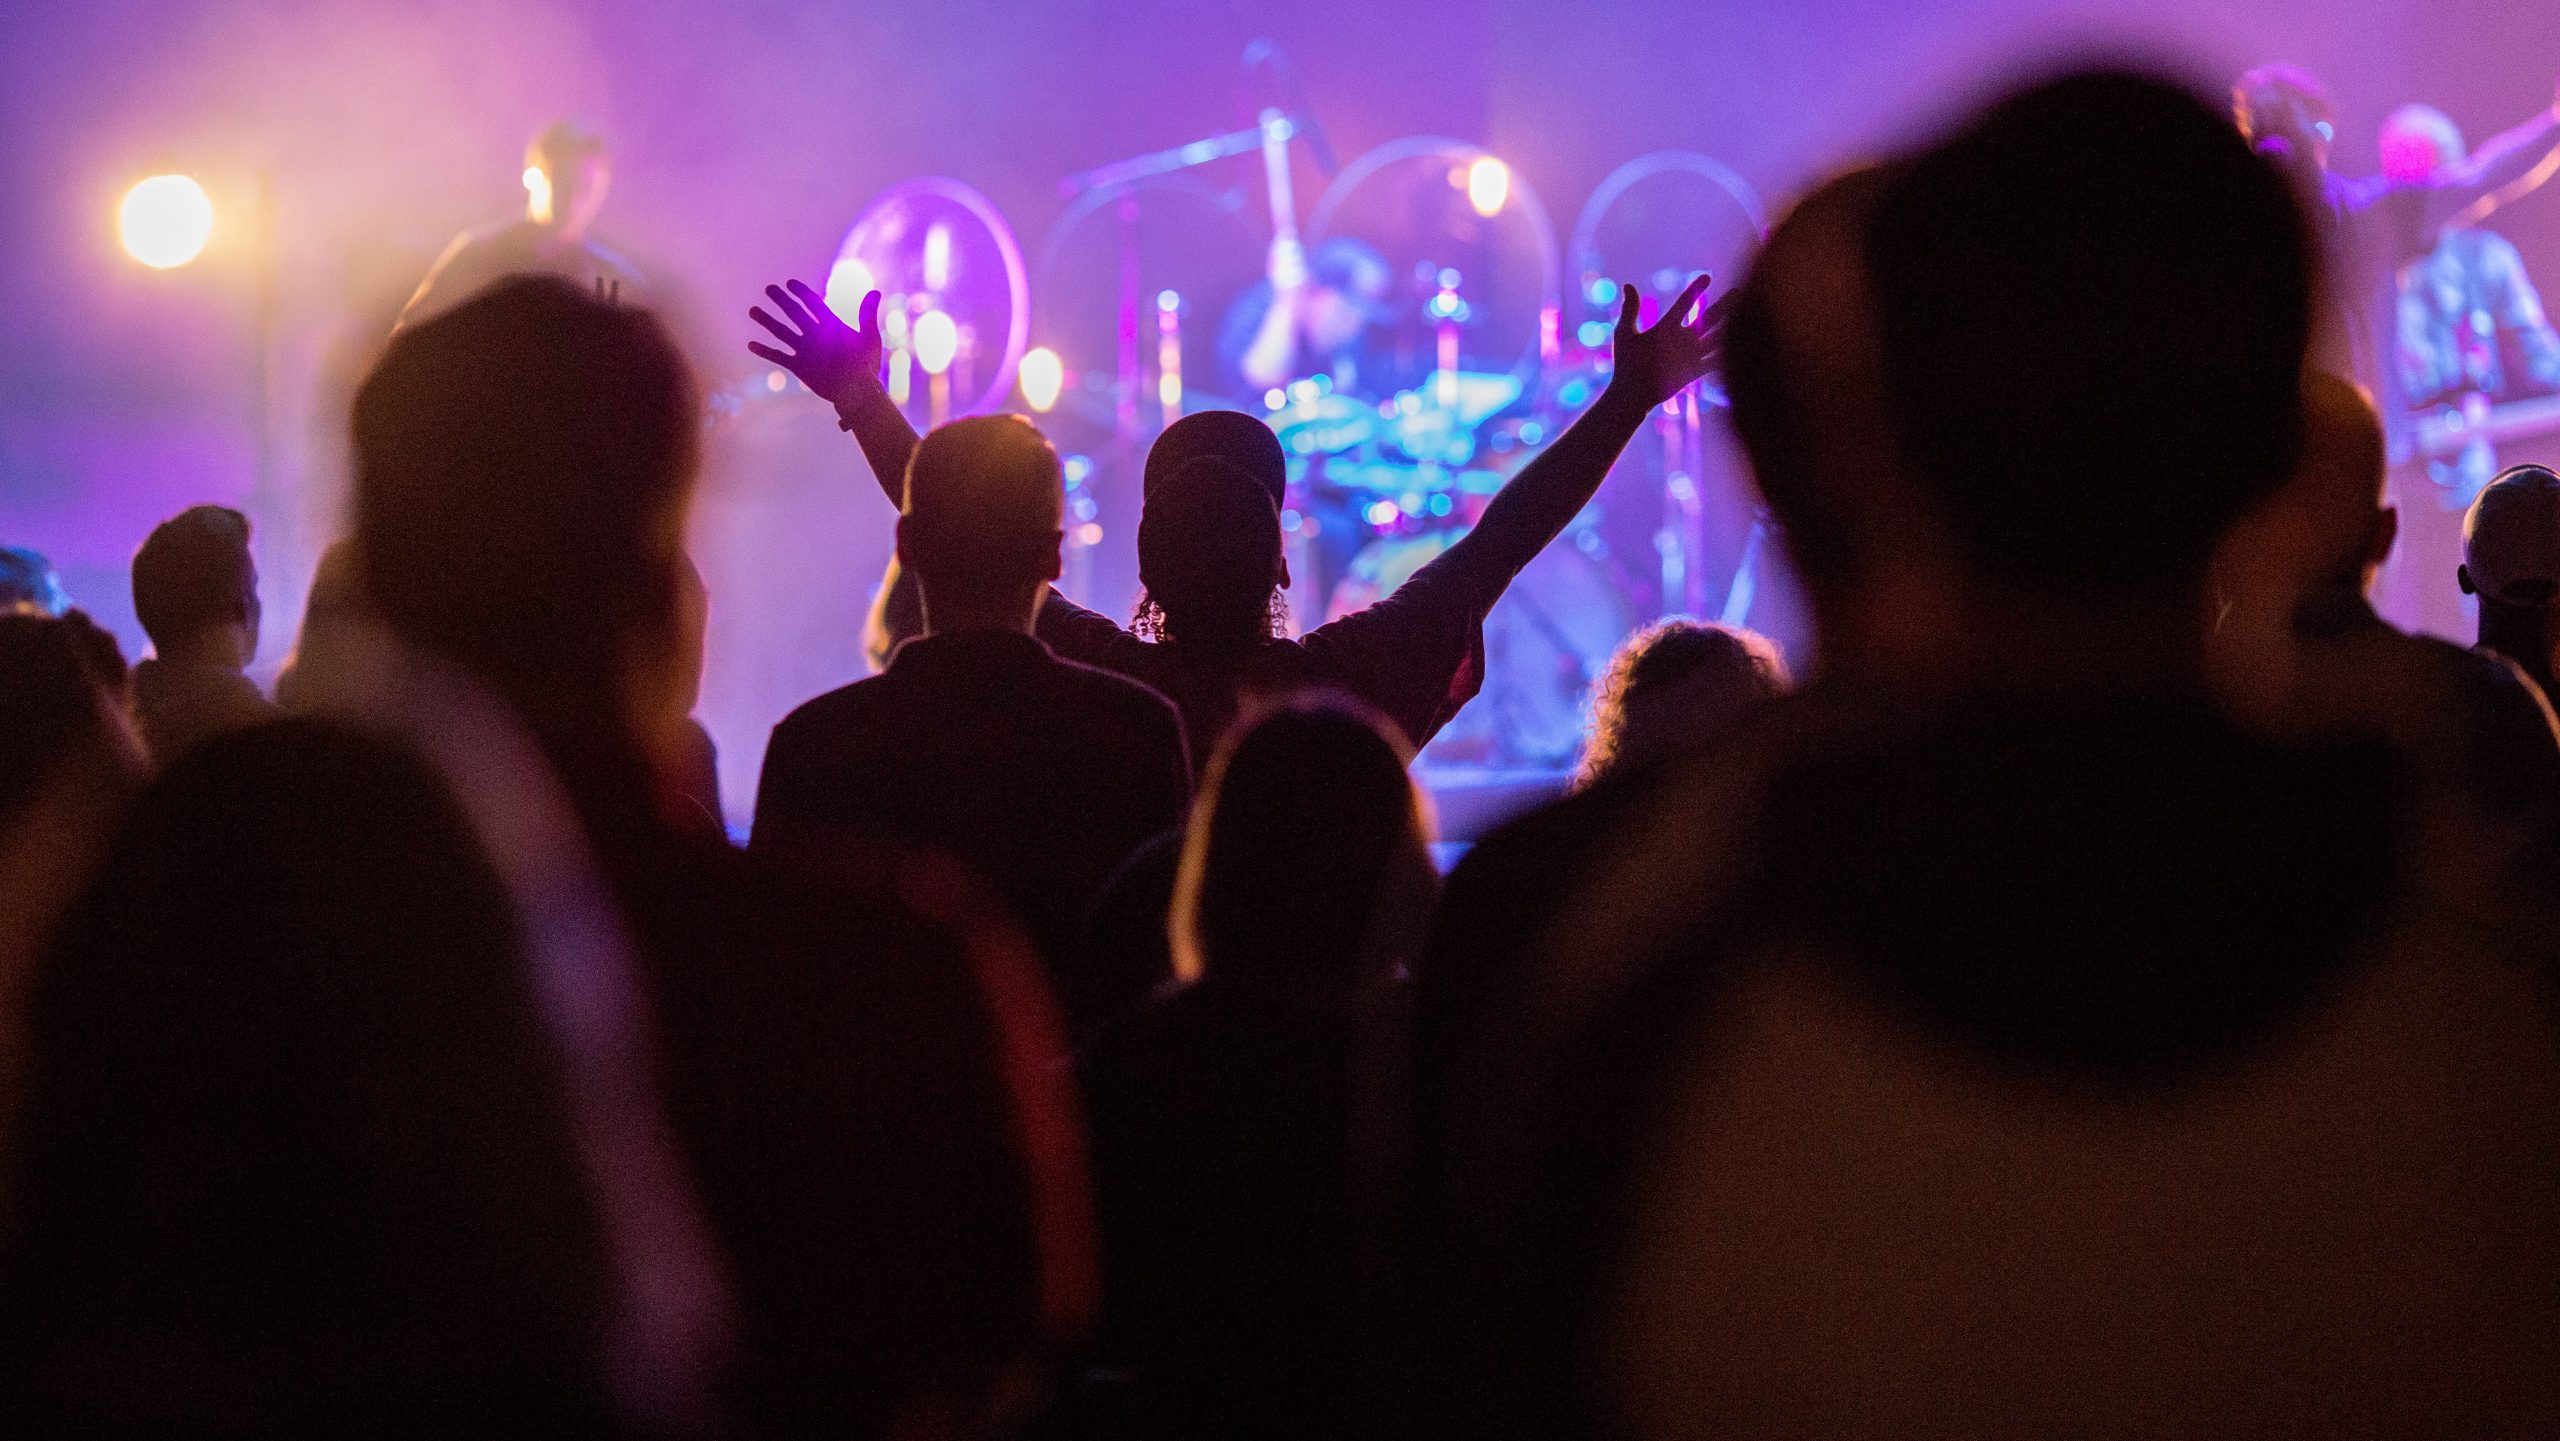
2093	302
523	465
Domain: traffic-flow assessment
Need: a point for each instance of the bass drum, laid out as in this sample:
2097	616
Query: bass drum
1545	644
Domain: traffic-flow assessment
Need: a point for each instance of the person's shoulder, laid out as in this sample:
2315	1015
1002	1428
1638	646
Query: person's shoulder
1112	690
824	714
297	755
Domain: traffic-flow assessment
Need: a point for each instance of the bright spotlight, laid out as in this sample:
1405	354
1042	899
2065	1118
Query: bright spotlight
937	258
847	282
1043	376
537	194
165	221
937	341
1488	186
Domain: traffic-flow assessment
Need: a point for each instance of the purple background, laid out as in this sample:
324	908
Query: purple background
748	136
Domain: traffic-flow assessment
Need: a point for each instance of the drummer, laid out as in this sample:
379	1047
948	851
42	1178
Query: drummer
1312	315
1309	315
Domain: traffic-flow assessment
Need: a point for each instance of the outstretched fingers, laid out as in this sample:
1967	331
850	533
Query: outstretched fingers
763	351
1678	313
1628	307
869	317
812	301
781	332
790	308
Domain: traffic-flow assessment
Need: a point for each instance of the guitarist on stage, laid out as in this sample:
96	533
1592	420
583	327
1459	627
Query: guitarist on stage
2471	327
2374	227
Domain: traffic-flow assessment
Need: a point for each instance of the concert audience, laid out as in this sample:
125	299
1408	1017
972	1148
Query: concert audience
195	590
1246	1126
2028	1048
2113	996
1044	774
1415	656
409	1070
2298	647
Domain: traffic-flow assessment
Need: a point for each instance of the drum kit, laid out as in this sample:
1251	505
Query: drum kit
1475	358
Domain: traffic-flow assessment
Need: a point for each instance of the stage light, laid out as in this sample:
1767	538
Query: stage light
848	280
537	194
937	258
165	221
1042	378
1488	186
937	341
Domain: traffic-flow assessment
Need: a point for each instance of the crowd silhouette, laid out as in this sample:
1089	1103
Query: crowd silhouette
2111	993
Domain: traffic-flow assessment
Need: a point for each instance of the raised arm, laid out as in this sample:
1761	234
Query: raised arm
1648	367
841	363
2507	166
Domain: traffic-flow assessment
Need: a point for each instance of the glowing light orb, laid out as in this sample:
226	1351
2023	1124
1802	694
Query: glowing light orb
848	280
537	194
1488	186
937	258
165	221
937	341
1043	376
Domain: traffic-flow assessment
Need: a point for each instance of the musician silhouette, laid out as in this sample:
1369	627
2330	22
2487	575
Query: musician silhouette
567	171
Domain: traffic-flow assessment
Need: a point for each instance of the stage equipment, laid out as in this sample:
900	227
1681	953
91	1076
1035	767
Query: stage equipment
1454	218
165	221
1654	222
950	275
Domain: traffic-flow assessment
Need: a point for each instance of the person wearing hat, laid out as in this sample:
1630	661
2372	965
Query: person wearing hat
2511	561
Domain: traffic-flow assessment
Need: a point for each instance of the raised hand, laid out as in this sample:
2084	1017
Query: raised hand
1655	365
830	357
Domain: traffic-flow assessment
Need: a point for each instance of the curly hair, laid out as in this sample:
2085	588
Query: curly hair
1147	621
1675	681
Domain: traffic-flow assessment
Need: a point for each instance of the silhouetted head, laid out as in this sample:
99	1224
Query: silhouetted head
982	522
2093	303
567	171
2341	483
2511	560
1672	685
62	702
1802	370
1209	557
1229	435
523	465
194	578
2416	142
28	584
1306	840
2286	115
